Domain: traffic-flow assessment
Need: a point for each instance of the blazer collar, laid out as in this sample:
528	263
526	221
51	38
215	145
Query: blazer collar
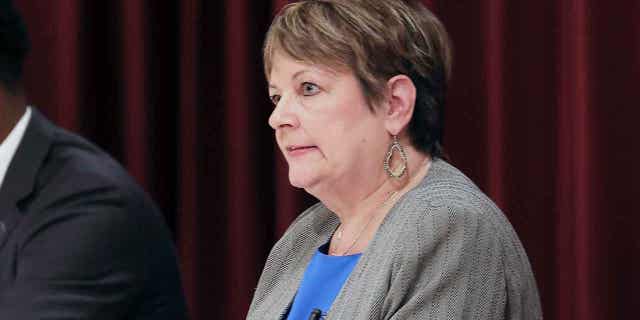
20	179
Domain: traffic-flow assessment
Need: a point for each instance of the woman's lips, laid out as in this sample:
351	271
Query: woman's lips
296	151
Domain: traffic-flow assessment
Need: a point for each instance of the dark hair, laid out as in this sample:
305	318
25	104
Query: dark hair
376	39
427	124
14	46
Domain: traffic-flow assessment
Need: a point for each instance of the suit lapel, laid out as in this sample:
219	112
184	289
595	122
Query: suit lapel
21	175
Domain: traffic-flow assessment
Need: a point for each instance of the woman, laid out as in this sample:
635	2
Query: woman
358	88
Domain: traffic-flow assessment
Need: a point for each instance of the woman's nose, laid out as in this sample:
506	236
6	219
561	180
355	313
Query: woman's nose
283	114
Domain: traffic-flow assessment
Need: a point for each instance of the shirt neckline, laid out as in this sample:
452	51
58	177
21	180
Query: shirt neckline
9	146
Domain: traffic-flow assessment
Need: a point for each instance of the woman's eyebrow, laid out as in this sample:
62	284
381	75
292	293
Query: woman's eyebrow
295	75
325	72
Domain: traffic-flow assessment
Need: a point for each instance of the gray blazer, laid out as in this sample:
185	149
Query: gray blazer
444	251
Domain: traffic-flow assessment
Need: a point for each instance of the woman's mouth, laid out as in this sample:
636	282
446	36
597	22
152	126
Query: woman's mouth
295	151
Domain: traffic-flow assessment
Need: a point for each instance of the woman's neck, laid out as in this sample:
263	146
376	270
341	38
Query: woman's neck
355	201
359	226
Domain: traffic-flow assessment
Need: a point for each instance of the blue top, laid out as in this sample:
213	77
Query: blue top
321	283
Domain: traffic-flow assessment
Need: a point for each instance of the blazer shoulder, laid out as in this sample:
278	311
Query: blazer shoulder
77	163
76	172
445	185
447	201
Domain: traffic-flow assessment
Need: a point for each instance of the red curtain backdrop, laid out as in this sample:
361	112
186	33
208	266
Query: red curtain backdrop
542	114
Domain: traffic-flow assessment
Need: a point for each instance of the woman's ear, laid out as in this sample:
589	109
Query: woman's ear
401	100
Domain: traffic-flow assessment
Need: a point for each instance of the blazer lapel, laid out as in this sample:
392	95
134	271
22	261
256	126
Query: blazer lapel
20	178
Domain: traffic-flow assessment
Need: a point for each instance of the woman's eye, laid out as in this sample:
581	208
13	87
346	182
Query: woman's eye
274	99
309	89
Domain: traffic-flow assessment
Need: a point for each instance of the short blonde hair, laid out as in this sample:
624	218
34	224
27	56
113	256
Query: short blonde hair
376	39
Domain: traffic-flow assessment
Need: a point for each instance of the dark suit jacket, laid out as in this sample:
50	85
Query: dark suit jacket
78	238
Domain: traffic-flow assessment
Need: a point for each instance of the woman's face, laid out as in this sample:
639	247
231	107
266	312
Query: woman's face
323	125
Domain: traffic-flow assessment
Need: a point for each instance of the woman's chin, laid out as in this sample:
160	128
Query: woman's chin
298	182
302	180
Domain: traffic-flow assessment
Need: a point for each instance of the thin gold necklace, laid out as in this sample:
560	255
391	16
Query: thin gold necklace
338	234
353	243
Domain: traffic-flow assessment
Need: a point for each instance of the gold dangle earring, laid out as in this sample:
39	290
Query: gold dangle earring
400	171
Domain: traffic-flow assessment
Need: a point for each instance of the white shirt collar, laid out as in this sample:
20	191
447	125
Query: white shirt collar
10	145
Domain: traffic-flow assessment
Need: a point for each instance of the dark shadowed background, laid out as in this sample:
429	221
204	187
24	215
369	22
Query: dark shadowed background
542	113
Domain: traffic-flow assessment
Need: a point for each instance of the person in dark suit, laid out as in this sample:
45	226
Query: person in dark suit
78	238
